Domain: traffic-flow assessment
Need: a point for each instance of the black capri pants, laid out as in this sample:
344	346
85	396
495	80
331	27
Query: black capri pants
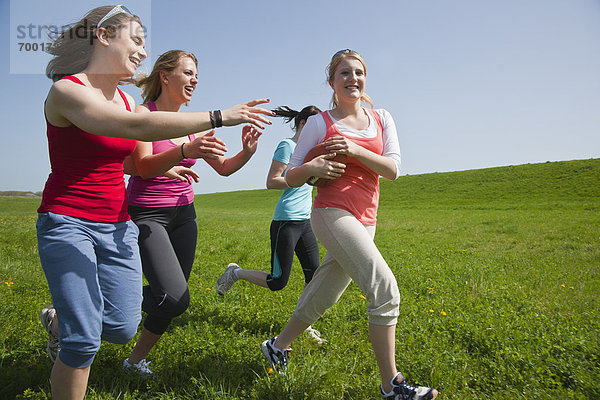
167	244
288	237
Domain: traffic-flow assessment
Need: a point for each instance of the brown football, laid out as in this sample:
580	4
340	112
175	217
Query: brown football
319	150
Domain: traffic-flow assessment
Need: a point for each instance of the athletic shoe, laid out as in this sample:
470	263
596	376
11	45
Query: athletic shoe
278	359
316	335
141	367
47	316
403	391
226	281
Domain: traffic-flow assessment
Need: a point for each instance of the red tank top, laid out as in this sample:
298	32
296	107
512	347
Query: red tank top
357	191
87	173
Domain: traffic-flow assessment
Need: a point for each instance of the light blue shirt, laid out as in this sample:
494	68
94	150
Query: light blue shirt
295	203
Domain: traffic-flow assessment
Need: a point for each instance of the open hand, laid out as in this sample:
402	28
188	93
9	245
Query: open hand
206	146
247	113
250	137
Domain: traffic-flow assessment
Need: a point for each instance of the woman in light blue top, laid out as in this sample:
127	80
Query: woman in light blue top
290	229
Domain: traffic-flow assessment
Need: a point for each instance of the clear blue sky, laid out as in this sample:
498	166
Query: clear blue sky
470	83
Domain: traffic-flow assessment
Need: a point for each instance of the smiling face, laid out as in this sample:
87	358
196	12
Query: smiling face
127	46
179	84
348	80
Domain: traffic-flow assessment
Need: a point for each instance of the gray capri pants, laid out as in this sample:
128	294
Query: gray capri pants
351	255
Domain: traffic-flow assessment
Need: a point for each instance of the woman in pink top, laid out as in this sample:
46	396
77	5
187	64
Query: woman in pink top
162	206
86	241
344	216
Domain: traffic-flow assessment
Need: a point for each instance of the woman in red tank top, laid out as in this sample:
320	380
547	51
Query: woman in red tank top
84	233
343	219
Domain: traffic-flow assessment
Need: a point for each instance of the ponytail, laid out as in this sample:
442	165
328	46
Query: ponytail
297	116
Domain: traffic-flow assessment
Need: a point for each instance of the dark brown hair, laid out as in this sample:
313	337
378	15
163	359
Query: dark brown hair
297	116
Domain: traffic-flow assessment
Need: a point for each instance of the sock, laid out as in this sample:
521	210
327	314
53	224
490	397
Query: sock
277	348
235	273
391	393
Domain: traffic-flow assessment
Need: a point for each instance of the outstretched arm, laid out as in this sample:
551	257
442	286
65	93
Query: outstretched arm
69	104
148	165
227	166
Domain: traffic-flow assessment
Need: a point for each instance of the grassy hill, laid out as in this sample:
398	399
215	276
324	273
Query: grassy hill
566	181
551	181
499	273
16	193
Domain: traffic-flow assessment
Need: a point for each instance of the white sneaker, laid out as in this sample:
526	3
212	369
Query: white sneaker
402	390
316	335
226	281
47	317
278	359
141	367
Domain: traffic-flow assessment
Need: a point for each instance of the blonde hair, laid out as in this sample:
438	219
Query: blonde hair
334	64
150	84
73	47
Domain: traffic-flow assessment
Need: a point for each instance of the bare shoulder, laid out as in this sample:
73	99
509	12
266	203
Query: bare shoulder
64	93
140	108
66	88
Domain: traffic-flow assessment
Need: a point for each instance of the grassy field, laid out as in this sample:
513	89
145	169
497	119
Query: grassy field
498	271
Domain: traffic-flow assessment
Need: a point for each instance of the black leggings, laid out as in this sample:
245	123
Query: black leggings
167	244
287	237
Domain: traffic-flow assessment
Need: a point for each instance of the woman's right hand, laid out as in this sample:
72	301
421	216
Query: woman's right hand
183	174
206	146
247	113
324	167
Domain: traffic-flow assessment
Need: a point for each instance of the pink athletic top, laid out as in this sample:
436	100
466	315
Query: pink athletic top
161	191
87	173
357	190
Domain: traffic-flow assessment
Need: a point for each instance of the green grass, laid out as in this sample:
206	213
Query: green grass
498	271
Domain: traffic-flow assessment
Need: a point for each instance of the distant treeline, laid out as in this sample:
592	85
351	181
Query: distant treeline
16	193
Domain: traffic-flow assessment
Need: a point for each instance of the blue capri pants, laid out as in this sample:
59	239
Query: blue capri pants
94	275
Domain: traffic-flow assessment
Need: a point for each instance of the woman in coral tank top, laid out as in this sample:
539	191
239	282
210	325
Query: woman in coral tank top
344	217
86	241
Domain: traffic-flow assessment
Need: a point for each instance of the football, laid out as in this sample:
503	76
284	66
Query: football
319	150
